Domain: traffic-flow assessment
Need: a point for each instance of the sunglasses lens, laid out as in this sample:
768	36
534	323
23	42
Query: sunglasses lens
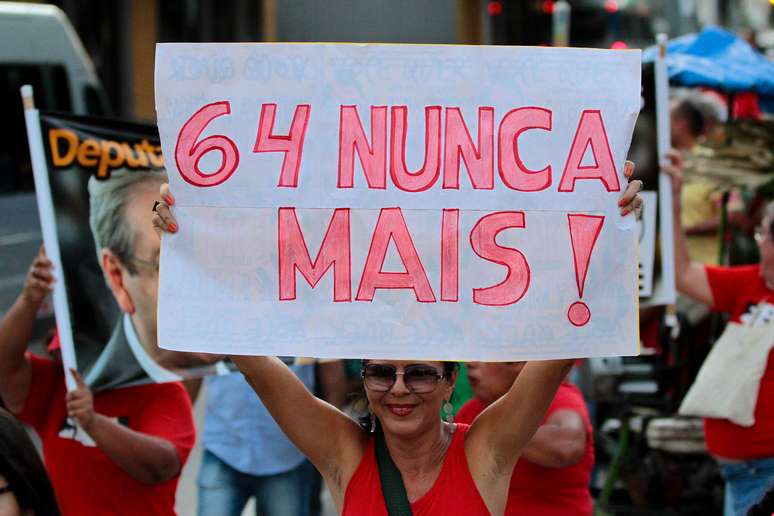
421	379
379	377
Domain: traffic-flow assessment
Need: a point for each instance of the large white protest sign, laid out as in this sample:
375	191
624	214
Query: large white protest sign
429	202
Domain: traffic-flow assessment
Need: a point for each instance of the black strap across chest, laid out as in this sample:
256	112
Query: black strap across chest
393	489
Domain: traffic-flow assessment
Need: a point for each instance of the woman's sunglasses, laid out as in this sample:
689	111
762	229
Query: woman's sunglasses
419	379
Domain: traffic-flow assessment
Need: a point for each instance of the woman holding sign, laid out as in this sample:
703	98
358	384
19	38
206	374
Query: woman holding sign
407	460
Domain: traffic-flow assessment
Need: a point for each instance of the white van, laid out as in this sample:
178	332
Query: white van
38	46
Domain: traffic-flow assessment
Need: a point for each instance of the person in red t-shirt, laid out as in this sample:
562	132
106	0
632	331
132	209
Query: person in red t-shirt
126	451
553	473
746	294
445	468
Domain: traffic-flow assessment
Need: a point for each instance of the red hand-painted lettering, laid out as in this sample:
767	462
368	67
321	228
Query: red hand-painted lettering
189	151
294	255
584	232
590	135
291	144
392	226
483	240
450	243
426	176
457	142
514	173
352	138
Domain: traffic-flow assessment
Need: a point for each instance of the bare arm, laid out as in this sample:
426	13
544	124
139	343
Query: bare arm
16	331
192	387
690	276
500	433
558	443
146	458
183	360
331	440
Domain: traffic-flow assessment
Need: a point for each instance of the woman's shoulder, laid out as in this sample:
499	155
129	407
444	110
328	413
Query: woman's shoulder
458	440
459	431
469	411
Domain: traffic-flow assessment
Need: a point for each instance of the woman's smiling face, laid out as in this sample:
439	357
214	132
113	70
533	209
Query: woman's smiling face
401	410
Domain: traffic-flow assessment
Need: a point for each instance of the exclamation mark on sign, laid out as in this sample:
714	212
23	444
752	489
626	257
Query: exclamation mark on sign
584	231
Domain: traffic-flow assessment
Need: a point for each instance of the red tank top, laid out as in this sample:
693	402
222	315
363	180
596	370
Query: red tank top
454	491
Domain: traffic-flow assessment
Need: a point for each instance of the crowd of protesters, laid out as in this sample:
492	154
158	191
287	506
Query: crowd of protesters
404	457
523	444
129	444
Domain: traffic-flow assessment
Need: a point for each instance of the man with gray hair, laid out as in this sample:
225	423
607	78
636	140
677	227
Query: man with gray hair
128	253
107	450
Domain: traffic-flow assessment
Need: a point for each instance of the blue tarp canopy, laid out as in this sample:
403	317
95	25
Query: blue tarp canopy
717	59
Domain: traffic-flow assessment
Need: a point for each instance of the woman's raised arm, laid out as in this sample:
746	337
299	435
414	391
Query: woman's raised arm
499	434
330	439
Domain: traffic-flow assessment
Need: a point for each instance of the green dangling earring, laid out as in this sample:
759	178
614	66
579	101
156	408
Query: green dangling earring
447	412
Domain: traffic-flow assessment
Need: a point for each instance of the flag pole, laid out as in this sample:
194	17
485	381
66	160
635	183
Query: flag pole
49	230
667	294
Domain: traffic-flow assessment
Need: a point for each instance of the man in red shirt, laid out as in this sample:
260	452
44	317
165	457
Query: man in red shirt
119	450
552	476
746	294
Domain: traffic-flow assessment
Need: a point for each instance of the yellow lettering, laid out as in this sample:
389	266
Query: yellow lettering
157	160
88	153
110	158
153	152
55	136
136	158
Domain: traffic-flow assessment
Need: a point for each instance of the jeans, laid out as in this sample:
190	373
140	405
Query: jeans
224	491
746	483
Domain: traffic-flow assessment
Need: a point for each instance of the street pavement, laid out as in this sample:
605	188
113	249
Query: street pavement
19	241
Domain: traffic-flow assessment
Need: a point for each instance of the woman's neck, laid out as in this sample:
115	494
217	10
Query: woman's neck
422	454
